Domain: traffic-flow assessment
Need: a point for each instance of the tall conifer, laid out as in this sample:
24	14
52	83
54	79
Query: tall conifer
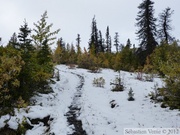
147	29
116	41
165	26
108	40
94	40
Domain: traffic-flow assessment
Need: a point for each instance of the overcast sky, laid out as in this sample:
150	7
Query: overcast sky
75	16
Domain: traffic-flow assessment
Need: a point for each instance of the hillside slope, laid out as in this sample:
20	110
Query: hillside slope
93	105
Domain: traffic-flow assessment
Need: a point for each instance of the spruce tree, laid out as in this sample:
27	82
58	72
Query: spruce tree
44	55
101	42
78	41
93	42
131	95
116	41
26	76
23	36
165	26
13	42
108	40
61	43
128	44
147	30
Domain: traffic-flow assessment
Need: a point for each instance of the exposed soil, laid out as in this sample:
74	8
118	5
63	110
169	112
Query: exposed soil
8	131
74	110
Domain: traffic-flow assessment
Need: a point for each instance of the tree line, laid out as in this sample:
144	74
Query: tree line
151	33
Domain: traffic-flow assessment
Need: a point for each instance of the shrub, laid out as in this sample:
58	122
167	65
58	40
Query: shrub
149	77
118	86
154	94
21	103
95	69
99	82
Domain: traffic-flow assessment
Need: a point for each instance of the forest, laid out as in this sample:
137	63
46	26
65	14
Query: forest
27	61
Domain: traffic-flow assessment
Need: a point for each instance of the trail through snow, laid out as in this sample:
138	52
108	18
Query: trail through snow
75	105
74	109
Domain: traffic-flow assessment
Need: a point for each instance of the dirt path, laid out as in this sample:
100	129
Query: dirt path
74	109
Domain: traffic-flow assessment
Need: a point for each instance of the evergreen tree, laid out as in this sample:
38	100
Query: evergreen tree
14	41
93	43
116	41
24	42
44	55
23	36
131	95
26	48
44	68
79	51
108	40
147	30
68	47
128	44
61	43
165	26
101	44
110	44
78	41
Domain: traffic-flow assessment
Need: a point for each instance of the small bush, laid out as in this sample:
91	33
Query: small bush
155	95
95	69
118	86
21	103
72	66
99	82
149	77
131	95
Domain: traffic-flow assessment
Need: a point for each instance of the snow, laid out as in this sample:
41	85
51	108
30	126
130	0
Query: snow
98	118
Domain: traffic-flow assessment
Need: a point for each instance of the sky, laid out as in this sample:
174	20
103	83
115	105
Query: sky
75	16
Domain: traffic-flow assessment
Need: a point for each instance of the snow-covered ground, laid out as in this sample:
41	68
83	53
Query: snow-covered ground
98	118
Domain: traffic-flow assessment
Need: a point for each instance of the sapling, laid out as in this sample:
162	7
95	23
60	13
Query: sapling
131	95
118	85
